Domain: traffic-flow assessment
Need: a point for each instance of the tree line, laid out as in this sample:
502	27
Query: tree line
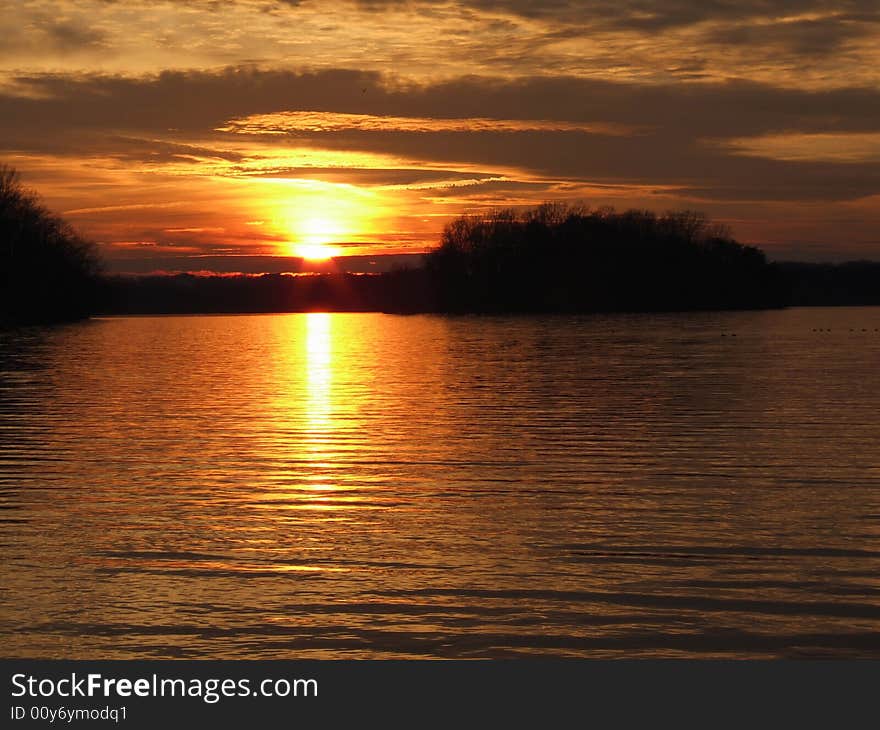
49	272
553	258
558	258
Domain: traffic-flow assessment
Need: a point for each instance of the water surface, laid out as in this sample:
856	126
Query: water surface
363	485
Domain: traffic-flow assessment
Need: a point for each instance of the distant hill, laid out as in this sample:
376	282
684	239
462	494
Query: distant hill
845	284
396	291
410	291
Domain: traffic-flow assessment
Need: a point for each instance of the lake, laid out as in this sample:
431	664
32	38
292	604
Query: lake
366	485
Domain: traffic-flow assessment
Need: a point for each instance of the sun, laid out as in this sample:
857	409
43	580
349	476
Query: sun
314	236
317	221
316	252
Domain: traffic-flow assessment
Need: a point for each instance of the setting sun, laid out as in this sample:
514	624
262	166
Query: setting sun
316	252
313	236
319	231
319	221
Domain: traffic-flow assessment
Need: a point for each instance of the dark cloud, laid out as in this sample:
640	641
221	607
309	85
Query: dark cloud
801	37
102	143
653	160
402	177
200	101
178	100
174	115
651	15
59	38
799	28
72	37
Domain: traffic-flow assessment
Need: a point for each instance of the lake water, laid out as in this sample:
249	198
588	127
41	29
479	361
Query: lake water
365	485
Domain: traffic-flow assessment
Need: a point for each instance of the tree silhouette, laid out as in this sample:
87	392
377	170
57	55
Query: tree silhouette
556	258
49	272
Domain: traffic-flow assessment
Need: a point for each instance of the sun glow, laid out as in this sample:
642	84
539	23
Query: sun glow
320	220
316	252
315	234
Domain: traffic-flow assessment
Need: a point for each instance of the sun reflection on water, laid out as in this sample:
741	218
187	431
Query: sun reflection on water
374	486
318	423
319	372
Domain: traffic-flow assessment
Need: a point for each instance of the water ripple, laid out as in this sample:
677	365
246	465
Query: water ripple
377	486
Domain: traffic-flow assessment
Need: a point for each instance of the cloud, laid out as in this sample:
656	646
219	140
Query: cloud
49	37
551	129
73	37
838	148
292	122
200	101
426	40
669	12
178	123
176	158
809	37
648	16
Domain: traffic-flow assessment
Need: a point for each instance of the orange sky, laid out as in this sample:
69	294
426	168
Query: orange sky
217	135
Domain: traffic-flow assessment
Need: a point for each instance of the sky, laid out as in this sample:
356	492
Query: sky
230	135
